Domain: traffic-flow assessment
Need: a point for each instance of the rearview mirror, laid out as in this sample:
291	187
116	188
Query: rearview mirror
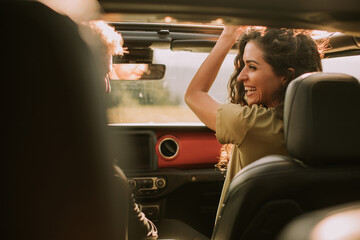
137	71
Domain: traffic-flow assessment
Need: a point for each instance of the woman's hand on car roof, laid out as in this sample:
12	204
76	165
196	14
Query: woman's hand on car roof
196	97
233	32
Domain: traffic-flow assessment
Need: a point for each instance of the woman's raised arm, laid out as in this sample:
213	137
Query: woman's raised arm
196	96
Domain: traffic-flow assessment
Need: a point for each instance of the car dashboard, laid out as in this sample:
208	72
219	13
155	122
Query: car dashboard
165	164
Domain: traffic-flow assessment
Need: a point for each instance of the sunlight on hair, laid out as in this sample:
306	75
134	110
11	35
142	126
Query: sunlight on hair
225	155
113	39
261	29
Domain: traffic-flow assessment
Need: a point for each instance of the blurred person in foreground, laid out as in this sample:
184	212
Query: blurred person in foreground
106	42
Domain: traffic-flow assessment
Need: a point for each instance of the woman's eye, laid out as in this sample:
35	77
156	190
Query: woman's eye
252	67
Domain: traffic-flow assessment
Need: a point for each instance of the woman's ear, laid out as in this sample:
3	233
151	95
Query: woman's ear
290	75
292	72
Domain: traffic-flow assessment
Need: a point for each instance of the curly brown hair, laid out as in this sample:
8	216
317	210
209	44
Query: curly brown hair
282	49
224	158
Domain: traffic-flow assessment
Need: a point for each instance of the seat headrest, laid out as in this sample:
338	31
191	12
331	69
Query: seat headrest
322	118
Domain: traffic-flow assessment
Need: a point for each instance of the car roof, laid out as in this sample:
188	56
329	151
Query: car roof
330	15
202	38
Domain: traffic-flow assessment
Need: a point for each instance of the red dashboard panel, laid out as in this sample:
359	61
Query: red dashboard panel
195	149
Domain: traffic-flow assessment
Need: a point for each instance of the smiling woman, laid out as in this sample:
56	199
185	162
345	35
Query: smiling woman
271	59
268	60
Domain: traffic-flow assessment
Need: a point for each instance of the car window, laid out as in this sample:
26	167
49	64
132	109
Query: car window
348	65
161	101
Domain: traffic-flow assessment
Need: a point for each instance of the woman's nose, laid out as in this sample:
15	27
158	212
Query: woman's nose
242	75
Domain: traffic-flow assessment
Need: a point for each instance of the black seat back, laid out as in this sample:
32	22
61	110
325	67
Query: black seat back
321	118
57	176
321	123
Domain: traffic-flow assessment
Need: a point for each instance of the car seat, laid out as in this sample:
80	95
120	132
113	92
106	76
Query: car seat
56	172
321	127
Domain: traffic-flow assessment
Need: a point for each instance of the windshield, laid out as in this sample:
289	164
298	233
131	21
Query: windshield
161	101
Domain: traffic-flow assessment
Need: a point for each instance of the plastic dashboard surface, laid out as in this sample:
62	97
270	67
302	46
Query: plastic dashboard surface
184	147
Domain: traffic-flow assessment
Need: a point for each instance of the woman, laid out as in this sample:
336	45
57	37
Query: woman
267	61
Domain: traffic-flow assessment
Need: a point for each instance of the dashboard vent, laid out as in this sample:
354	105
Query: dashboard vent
168	148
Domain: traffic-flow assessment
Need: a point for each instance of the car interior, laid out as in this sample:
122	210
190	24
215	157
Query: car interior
62	135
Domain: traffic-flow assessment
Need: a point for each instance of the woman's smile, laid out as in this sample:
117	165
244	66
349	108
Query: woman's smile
250	91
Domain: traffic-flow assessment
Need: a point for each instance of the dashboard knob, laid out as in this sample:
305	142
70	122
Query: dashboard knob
160	182
132	183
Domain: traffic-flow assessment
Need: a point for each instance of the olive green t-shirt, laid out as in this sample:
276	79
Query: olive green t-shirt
254	131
